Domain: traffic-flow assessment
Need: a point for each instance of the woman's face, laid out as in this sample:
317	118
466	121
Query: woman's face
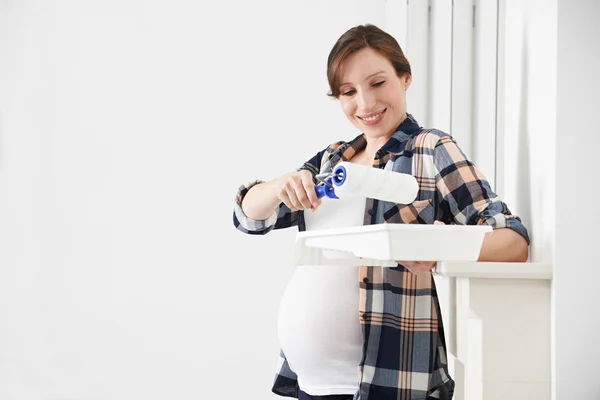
372	95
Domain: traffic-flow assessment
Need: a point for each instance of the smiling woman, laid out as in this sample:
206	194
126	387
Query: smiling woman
392	345
374	102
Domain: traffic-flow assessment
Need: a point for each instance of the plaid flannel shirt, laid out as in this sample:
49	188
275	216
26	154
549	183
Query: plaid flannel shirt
404	350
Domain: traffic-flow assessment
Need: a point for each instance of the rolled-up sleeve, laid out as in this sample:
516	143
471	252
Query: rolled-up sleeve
467	192
283	217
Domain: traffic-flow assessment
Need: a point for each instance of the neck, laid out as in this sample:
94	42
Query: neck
373	145
376	143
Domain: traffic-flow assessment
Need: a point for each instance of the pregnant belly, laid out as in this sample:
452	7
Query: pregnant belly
319	325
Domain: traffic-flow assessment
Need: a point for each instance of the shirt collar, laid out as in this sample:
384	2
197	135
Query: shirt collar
394	145
405	131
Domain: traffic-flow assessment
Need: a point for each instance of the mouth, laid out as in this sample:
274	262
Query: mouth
373	118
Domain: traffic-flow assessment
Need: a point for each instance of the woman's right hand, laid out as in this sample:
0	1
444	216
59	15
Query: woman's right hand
297	191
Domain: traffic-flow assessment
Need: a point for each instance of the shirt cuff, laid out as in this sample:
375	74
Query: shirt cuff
512	222
246	224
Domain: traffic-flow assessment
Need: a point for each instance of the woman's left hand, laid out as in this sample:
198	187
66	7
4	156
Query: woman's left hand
420	267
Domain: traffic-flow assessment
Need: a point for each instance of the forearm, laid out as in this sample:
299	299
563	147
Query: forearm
261	201
504	245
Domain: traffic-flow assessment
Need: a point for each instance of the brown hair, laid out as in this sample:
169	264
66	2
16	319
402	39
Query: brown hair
357	38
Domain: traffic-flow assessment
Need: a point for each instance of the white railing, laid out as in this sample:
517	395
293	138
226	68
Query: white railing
497	316
498	330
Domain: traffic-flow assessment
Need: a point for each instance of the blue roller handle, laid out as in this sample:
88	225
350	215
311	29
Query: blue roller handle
338	179
326	190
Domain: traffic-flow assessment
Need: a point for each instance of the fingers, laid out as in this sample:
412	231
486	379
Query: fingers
418	267
285	198
309	189
291	200
298	192
302	196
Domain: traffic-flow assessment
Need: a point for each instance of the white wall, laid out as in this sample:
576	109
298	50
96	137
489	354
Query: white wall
526	144
115	119
577	273
117	122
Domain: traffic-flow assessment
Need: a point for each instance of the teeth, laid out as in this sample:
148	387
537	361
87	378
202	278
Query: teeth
372	118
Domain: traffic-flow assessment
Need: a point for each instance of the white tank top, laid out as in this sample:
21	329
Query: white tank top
319	327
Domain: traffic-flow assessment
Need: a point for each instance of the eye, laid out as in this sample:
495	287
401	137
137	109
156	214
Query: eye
350	92
377	84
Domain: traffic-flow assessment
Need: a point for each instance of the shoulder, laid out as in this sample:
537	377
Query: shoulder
318	160
333	147
342	147
429	139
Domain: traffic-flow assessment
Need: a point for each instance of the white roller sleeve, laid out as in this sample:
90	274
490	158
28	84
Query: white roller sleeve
375	183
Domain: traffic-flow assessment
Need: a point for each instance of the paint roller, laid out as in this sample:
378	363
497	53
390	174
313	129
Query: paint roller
348	179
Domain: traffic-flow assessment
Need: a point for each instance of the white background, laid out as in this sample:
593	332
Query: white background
126	129
121	275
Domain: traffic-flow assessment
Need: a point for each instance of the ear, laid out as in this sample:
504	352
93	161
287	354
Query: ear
406	80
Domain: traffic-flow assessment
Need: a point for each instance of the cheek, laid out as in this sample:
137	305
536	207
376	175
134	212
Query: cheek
398	101
402	98
347	107
394	95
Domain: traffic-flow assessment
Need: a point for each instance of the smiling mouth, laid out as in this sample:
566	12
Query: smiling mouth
372	119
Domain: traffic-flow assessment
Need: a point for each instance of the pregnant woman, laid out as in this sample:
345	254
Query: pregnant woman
373	333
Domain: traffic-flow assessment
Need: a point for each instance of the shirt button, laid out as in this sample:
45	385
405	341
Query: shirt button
370	211
365	280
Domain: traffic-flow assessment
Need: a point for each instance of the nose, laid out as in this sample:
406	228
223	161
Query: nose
365	100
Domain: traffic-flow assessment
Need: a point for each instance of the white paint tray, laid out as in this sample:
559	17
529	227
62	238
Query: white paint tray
383	244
